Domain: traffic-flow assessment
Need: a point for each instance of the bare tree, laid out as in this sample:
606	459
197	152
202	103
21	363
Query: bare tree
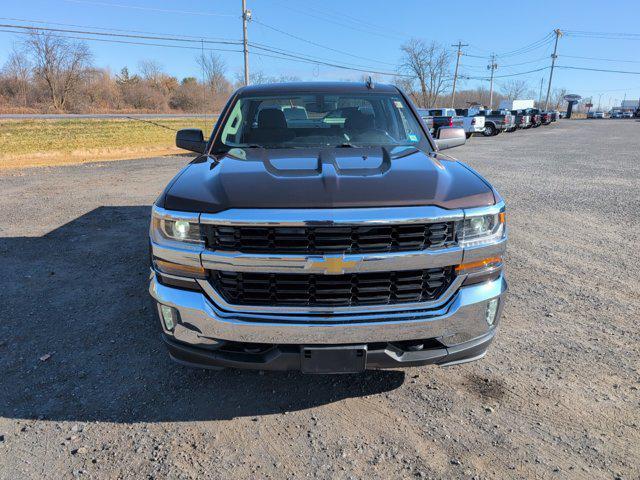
151	71
16	74
430	65
214	69
60	63
557	98
514	89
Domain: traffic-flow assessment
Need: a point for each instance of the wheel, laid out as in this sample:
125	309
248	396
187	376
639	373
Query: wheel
468	135
489	130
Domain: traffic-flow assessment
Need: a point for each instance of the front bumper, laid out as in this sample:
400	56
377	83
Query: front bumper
288	357
459	327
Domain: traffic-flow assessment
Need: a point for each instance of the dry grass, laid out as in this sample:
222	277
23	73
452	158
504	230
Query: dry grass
31	143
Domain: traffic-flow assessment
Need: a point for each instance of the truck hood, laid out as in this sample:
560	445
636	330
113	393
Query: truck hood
325	178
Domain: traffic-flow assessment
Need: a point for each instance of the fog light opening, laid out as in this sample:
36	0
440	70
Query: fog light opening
169	317
492	311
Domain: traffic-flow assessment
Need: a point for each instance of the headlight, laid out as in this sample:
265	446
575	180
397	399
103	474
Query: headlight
167	227
480	229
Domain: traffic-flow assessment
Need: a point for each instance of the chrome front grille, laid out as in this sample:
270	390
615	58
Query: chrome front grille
341	239
354	289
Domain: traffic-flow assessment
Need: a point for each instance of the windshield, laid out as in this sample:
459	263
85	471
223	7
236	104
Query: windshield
320	120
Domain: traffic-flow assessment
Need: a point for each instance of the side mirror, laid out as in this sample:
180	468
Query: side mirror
449	137
191	139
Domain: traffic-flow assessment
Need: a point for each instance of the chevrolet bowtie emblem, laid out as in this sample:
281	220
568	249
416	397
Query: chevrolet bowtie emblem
333	265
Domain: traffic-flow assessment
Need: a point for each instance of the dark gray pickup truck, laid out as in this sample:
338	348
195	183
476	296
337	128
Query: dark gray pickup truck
497	121
321	229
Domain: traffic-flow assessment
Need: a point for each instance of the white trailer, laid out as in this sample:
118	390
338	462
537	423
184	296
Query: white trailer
516	104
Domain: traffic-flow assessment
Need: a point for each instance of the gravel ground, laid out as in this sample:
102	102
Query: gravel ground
88	389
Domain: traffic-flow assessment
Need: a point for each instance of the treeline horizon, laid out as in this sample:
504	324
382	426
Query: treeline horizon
46	73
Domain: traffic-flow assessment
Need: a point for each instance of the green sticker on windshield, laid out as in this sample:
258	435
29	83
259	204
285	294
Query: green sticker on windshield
412	137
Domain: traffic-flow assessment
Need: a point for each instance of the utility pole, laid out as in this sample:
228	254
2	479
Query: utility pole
246	16
204	82
492	66
553	63
455	75
540	95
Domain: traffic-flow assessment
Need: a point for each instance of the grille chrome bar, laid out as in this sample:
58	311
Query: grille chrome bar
326	264
332	216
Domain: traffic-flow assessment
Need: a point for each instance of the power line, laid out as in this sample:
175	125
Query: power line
318	44
150	9
310	57
321	15
510	75
601	59
363	22
523	73
124	42
475	56
598	70
81	35
198	38
121	35
606	35
304	59
509	65
541	43
528	48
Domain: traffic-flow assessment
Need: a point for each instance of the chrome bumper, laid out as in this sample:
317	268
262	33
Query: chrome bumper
202	323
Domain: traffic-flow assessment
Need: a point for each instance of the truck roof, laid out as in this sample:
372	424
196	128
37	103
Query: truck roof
316	87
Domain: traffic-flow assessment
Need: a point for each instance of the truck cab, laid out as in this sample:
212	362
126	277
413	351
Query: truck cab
320	228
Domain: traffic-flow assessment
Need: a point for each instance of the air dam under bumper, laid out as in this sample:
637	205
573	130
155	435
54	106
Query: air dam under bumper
459	326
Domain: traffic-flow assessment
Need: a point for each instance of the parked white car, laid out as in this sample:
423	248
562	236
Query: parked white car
471	123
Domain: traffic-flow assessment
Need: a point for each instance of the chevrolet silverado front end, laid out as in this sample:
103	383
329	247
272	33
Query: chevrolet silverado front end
320	230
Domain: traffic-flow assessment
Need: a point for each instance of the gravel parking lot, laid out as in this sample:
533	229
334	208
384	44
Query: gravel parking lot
88	390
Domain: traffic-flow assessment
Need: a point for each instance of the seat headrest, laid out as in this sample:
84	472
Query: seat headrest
358	122
296	113
271	118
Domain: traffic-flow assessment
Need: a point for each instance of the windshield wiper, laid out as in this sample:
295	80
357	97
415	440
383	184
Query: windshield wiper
347	145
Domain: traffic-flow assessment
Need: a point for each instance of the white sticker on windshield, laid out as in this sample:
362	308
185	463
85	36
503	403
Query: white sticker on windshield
397	103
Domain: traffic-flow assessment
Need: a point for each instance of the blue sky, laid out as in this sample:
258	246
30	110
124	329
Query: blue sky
367	33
